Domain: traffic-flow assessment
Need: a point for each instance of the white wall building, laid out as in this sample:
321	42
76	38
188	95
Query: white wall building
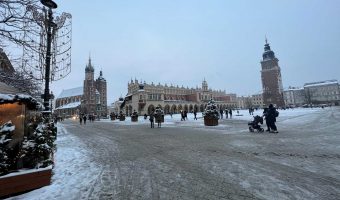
294	96
323	92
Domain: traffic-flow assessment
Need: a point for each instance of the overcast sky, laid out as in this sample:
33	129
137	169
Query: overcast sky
184	41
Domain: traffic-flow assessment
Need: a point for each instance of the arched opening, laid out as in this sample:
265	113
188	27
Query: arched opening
151	109
167	109
180	107
196	108
186	108
173	109
202	108
191	108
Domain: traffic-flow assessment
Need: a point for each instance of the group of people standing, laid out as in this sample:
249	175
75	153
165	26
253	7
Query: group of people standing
83	118
226	112
158	117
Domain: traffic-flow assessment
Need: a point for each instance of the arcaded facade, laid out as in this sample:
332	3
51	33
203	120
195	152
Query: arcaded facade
144	98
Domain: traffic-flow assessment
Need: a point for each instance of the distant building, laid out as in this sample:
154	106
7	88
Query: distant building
243	102
271	78
68	102
257	100
294	96
144	98
95	92
89	99
323	92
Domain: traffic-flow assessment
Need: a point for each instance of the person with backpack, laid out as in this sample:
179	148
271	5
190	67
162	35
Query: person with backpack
271	117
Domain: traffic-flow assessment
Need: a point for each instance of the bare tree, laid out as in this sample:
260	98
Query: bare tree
21	81
14	16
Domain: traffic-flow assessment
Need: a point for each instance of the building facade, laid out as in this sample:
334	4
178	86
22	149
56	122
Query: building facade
257	100
95	92
89	99
294	97
68	102
144	98
271	78
323	92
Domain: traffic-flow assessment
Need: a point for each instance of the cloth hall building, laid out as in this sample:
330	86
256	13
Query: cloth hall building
144	98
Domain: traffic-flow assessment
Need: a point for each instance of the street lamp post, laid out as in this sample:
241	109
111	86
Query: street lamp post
49	26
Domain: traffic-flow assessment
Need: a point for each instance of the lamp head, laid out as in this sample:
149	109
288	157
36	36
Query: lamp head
49	3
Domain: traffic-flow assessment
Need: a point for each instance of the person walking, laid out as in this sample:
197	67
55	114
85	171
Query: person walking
221	113
195	115
151	118
182	115
185	115
159	120
272	114
231	113
80	119
84	118
226	113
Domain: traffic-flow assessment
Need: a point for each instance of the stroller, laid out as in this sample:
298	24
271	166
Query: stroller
255	124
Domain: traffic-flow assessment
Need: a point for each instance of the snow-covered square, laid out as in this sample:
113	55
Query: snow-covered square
187	160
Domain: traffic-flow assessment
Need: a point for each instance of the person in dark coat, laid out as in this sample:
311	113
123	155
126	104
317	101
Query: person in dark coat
80	119
151	118
231	113
272	113
226	113
84	118
185	115
158	118
145	116
195	115
221	113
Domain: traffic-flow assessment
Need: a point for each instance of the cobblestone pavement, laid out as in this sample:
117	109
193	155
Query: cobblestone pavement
136	162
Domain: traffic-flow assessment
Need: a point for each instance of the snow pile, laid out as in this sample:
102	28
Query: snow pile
74	174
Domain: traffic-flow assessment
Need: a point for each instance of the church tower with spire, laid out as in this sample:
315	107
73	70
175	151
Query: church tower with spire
89	100
271	78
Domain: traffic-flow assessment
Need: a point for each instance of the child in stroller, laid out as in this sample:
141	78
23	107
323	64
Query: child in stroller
255	124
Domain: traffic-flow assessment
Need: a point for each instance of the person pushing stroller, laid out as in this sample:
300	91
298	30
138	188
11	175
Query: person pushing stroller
270	114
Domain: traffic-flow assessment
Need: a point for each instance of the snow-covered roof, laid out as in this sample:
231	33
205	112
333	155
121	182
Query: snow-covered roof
294	89
321	83
71	92
69	105
30	102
